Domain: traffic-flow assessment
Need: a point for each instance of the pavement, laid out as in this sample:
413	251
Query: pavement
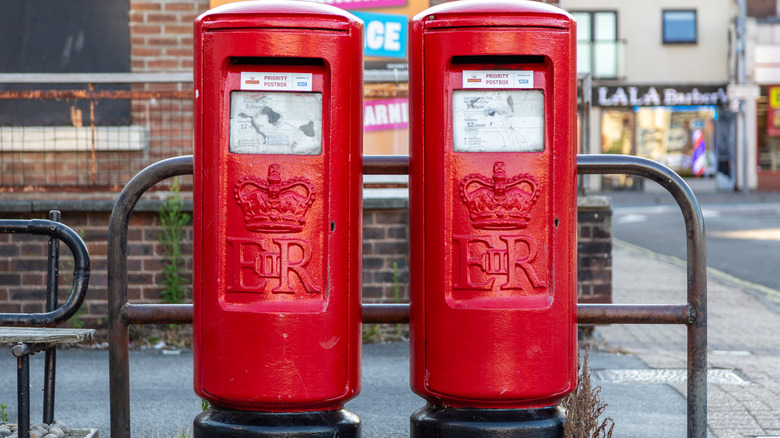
638	367
659	195
743	340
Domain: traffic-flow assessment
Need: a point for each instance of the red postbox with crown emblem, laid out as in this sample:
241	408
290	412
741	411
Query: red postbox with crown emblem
493	204
277	201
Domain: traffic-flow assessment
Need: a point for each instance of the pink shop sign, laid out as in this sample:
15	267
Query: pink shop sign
361	4
381	114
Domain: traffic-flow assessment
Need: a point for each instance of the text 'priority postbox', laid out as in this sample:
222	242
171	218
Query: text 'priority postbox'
493	204
277	198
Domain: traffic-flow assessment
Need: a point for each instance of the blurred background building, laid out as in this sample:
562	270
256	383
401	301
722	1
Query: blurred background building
678	81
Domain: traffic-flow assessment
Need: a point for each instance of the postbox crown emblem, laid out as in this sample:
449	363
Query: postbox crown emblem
499	203
273	205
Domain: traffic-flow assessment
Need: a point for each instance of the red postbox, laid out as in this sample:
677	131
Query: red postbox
493	204
277	201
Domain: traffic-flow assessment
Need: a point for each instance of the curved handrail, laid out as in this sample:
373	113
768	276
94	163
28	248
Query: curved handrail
119	368
696	268
693	314
57	230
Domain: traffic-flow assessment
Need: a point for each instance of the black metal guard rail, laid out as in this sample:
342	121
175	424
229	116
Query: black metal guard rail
53	316
77	247
693	314
52	302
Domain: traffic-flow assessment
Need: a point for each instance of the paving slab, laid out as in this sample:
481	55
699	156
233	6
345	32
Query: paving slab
743	337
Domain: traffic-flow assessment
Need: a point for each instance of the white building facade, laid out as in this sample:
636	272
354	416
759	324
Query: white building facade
660	73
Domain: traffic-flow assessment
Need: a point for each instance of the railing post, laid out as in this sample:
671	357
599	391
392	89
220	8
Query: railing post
696	269
50	368
119	372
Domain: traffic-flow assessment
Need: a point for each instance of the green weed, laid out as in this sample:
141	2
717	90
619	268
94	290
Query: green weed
173	220
75	321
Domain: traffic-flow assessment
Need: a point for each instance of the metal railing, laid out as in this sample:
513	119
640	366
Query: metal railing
693	314
54	314
55	230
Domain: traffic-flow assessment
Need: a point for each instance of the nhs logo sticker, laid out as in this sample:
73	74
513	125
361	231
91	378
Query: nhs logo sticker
385	35
525	79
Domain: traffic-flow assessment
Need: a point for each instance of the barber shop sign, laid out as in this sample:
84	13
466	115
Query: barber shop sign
660	95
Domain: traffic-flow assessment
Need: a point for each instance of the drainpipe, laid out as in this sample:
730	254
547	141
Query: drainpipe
741	79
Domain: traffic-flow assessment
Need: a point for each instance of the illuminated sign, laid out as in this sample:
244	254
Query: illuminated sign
644	95
773	112
385	35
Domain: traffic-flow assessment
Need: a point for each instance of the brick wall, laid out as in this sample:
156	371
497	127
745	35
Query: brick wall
161	40
161	34
594	249
761	8
23	263
385	257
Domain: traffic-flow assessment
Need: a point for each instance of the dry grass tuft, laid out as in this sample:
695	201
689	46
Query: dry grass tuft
584	407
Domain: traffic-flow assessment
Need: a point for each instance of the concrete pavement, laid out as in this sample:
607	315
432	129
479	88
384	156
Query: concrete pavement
638	367
163	404
743	340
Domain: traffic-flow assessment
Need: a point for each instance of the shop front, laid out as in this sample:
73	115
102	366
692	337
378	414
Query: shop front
685	127
769	138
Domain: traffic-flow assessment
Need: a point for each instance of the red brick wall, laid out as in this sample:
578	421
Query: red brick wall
23	264
594	250
161	34
761	8
161	41
385	256
385	259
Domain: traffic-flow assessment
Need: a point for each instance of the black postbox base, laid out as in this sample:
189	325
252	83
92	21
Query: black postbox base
216	422
446	422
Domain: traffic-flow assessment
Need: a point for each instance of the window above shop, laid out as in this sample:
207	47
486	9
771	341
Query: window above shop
679	27
599	51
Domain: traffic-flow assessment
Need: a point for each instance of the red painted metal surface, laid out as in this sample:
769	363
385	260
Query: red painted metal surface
493	243
277	236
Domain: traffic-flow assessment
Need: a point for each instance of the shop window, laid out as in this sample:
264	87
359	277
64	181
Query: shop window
680	137
679	27
599	52
769	129
617	136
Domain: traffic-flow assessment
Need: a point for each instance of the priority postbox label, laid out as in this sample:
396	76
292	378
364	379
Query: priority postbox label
276	81
498	79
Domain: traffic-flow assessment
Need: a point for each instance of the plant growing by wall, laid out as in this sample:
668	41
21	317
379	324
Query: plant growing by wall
173	219
584	407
